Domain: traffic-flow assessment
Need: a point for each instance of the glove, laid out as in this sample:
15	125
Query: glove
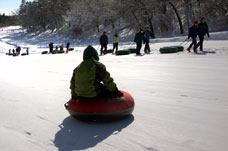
119	94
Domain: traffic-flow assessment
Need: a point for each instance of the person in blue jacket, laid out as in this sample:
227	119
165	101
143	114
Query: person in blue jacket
139	38
193	33
203	30
147	40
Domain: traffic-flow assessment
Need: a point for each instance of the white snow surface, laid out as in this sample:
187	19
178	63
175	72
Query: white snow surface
181	99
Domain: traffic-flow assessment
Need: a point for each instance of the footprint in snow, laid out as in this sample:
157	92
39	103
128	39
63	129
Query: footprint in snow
184	95
28	133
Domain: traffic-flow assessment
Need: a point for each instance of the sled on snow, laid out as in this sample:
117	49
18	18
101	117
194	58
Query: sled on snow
106	107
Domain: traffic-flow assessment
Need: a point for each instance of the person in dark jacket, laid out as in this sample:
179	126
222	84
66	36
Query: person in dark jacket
13	51
104	43
203	30
193	33
147	40
139	38
18	50
87	78
68	47
51	46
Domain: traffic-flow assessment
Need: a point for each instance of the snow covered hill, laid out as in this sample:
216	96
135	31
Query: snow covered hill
181	99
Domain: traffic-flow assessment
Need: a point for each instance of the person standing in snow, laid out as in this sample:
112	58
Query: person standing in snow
203	30
27	51
104	43
51	46
13	51
115	42
67	47
193	33
87	77
18	50
139	38
147	40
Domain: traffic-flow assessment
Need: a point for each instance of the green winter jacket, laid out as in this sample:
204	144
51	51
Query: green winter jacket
86	79
115	39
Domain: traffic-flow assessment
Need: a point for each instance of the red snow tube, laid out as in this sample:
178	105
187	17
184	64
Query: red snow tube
102	107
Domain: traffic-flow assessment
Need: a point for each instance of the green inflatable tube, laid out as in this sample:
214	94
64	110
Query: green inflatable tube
123	52
132	50
23	54
44	52
61	51
179	48
168	49
109	51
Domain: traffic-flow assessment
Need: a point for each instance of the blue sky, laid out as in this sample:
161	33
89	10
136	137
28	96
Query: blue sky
6	6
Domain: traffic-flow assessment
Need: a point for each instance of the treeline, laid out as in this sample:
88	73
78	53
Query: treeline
80	16
7	20
43	14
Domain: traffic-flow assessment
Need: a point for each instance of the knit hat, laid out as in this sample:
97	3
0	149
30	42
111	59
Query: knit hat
196	22
90	53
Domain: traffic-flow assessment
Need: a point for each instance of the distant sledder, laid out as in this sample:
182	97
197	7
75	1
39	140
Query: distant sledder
58	49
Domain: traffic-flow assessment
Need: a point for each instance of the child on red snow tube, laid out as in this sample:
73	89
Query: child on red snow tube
87	77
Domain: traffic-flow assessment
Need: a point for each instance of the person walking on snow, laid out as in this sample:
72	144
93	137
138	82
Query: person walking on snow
51	46
139	38
87	77
193	33
147	40
68	47
104	43
203	30
115	42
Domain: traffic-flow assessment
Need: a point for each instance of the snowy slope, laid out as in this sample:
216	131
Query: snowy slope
181	99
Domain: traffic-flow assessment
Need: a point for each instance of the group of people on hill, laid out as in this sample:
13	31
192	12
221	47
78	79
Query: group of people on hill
140	38
199	30
17	52
92	84
51	48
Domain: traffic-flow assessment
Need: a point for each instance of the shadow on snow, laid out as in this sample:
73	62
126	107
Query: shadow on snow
79	135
